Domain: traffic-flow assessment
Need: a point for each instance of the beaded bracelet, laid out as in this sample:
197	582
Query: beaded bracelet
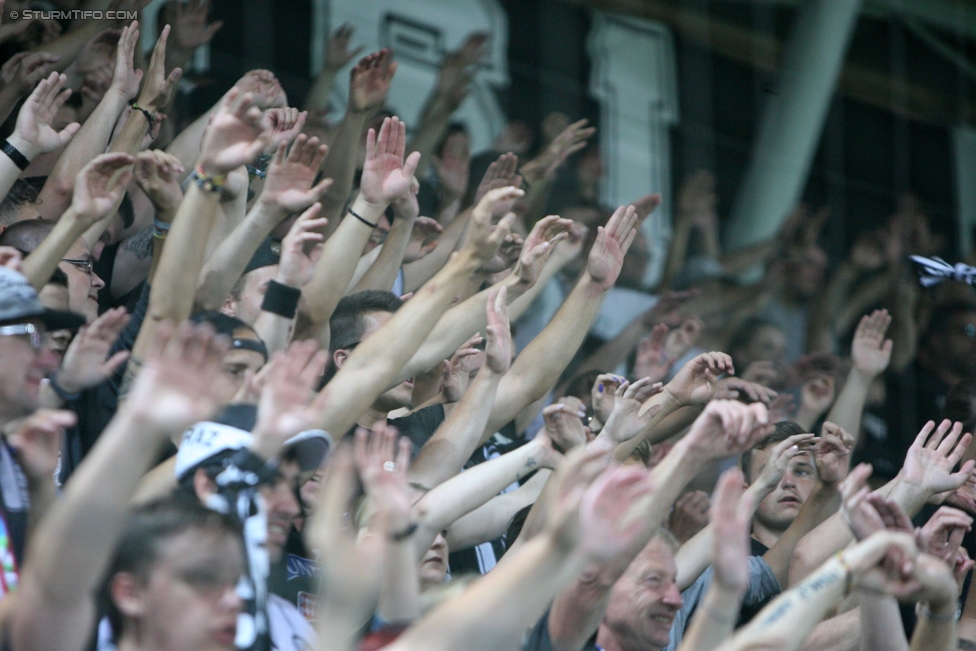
207	182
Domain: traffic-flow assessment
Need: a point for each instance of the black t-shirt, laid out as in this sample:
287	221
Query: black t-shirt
539	640
420	425
746	613
96	406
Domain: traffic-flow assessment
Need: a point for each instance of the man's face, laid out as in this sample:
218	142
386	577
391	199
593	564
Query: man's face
956	347
805	271
23	370
645	600
282	508
248	306
236	363
189	601
433	566
401	395
778	510
82	287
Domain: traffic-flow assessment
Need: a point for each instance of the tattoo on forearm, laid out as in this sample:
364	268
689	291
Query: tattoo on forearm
139	245
801	593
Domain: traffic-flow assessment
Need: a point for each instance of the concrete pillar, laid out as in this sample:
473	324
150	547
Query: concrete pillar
793	119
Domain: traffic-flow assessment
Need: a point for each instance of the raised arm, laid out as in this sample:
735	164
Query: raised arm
289	187
456	439
235	136
495	612
785	623
337	55
540	364
98	190
386	176
870	352
371	367
19	75
714	619
93	136
55	602
369	83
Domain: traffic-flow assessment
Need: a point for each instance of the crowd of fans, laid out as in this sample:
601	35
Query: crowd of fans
252	399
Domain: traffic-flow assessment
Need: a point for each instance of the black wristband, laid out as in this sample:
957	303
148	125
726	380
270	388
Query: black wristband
281	300
14	154
361	218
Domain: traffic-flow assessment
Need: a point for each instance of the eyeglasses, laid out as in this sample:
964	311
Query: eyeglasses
85	264
38	338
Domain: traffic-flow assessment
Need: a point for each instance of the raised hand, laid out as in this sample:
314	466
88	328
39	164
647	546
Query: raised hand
603	395
458	68
931	458
158	87
681	339
424	237
235	136
607	524
817	394
870	351
772	473
383	465
190	28
369	80
626	420
727	427
689	515
24	69
265	88
285	124
506	256
943	533
697	380
857	511
125	76
569	141
288	384
288	185
541	241
734	388
337	52
296	265
884	563
833	453
176	383
33	135
457	370
386	175
158	174
351	566
569	483
564	423
611	245
484	238
37	442
731	517
499	348
100	184
86	362
501	173
453	167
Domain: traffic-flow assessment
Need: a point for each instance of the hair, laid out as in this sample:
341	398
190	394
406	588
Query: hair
348	323
25	236
515	526
224	324
23	192
961	404
148	528
942	315
784	430
667	538
238	289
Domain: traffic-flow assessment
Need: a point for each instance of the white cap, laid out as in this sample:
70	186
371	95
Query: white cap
207	439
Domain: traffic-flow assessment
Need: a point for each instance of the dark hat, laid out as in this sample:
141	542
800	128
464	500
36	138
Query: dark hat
268	253
19	302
